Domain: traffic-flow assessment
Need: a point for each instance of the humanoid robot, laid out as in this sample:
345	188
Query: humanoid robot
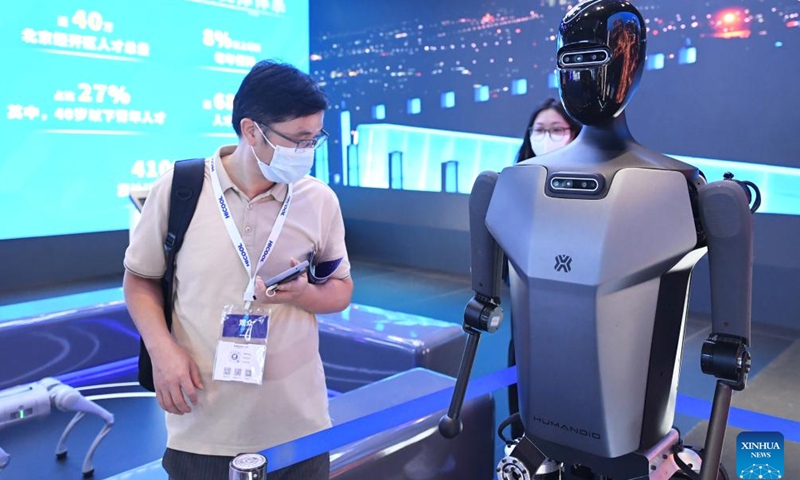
35	400
601	237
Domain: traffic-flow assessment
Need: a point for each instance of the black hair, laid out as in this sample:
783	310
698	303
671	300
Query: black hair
275	92
526	150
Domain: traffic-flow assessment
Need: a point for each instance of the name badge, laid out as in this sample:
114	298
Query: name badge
239	362
242	346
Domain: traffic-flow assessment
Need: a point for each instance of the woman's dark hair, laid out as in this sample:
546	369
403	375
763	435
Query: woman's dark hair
276	92
526	150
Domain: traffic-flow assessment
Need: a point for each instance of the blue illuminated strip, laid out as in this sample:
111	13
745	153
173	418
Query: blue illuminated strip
47	306
114	371
424	150
101	373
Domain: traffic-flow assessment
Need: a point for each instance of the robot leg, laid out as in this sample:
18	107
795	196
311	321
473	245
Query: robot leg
67	399
4	459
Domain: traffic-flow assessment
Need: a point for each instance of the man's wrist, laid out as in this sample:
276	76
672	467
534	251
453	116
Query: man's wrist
157	347
306	298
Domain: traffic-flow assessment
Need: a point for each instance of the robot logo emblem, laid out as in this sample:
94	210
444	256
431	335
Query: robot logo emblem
563	263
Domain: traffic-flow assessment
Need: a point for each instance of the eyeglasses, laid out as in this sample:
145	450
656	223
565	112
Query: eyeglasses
315	142
556	133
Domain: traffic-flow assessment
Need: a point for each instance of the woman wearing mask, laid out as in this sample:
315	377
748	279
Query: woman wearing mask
549	128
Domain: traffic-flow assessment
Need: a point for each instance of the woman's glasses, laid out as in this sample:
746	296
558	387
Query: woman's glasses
556	133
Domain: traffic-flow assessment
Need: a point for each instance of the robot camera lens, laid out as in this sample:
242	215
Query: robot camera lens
594	56
578	58
568	183
584	184
556	183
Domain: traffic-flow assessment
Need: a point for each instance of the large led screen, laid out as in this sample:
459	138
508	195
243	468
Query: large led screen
100	97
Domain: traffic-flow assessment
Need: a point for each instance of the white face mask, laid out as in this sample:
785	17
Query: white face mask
546	144
288	165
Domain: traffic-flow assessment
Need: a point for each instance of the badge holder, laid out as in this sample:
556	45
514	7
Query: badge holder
242	345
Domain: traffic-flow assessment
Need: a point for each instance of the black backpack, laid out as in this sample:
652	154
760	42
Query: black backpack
187	181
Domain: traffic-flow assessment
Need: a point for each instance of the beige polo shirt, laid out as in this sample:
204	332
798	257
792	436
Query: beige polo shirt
292	402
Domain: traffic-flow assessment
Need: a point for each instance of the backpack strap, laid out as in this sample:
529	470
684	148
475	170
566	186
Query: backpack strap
187	182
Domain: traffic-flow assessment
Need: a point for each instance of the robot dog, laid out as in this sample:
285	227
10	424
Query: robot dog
35	400
601	238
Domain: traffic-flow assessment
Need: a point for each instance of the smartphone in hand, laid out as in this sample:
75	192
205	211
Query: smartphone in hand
286	276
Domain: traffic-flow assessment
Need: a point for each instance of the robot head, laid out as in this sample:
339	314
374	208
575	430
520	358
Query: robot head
601	55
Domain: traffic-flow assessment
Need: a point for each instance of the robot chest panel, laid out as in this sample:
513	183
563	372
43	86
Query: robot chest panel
643	226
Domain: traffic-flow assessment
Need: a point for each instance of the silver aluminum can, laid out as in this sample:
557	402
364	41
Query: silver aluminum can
248	466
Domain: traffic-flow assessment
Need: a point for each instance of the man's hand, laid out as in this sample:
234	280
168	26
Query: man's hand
289	292
176	378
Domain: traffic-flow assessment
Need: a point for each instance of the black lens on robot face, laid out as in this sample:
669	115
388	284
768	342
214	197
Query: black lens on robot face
592	57
574	184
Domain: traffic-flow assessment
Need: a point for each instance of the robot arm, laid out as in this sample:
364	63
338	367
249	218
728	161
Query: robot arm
727	222
483	312
726	218
486	260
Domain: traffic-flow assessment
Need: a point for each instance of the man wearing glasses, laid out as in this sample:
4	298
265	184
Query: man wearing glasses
241	371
